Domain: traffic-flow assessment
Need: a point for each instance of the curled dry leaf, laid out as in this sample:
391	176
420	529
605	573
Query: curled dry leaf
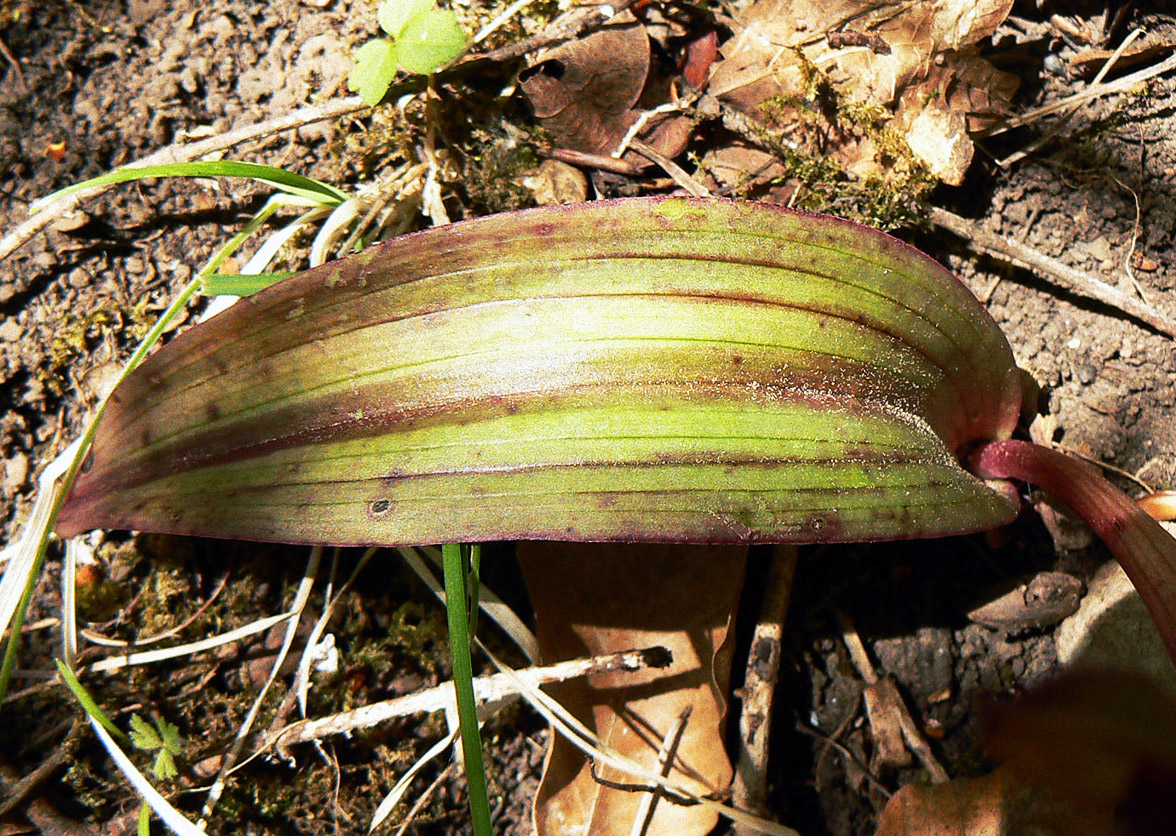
991	805
589	597
1102	743
913	59
588	92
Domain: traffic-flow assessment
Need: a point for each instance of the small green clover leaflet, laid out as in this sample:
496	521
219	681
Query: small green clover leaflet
421	39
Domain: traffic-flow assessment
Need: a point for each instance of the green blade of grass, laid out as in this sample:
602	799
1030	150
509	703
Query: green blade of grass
33	558
88	704
455	564
240	284
287	181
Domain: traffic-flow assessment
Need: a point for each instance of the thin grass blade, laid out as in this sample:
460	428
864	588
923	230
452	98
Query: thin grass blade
287	181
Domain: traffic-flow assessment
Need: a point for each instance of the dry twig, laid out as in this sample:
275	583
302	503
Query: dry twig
750	789
883	702
486	689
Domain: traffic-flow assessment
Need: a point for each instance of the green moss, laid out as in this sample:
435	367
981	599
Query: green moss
822	184
493	173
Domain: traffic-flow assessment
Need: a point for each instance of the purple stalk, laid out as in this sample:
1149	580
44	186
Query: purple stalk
1143	548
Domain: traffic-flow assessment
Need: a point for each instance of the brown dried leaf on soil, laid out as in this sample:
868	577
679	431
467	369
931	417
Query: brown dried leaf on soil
588	92
1086	754
916	60
992	805
1103	743
1042	601
591	598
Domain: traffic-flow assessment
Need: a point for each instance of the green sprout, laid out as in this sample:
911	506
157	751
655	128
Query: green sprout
163	739
421	39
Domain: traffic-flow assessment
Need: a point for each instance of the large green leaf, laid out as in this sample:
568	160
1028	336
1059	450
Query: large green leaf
649	369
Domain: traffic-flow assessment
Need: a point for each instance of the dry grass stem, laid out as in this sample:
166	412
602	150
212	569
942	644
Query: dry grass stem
666	753
487	689
1058	126
1119	85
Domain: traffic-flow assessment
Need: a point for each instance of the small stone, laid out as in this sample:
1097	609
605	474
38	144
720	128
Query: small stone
11	331
16	471
78	278
70	221
134	265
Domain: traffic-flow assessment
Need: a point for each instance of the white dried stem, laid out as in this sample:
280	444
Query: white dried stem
487	689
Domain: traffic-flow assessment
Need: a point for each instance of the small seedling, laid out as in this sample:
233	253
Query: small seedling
163	738
421	39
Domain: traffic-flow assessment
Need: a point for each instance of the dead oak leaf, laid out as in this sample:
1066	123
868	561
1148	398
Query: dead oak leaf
583	90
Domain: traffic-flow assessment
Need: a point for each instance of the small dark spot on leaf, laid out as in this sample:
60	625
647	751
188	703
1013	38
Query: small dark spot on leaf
379	507
543	229
212	411
737	359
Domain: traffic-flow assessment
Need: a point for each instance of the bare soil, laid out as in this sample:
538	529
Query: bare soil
113	81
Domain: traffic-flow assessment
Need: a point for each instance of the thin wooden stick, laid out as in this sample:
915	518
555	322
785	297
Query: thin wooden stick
750	789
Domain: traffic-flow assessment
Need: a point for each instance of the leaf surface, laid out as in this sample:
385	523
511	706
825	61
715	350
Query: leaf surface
638	370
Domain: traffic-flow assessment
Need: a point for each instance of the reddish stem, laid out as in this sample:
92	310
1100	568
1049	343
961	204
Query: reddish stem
1143	548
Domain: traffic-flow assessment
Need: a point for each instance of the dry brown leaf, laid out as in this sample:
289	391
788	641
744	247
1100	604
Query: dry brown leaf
743	167
556	182
583	90
993	805
1043	600
880	51
963	807
588	92
589	598
1102	742
1087	754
